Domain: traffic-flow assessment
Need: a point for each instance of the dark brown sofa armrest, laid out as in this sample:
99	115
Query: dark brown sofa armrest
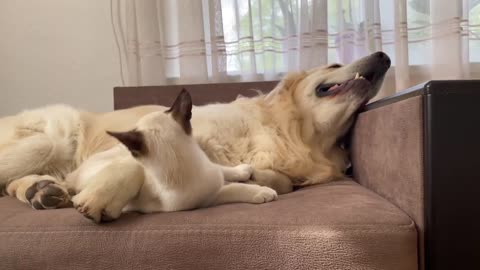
419	150
387	152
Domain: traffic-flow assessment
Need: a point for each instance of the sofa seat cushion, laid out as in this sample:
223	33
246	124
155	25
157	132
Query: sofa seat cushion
339	225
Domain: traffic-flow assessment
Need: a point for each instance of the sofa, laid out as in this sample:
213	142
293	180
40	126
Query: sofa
411	203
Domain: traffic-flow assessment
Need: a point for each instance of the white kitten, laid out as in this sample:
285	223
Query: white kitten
159	168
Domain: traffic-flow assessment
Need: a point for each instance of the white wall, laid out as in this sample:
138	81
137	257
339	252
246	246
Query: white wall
57	51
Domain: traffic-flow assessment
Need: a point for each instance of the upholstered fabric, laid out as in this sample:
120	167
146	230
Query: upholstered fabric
340	225
387	155
125	97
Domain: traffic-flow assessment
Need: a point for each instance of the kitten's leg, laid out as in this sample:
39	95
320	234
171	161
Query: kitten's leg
40	191
272	179
239	192
269	178
239	173
103	195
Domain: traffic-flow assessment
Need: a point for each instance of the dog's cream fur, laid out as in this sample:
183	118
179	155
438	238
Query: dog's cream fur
290	136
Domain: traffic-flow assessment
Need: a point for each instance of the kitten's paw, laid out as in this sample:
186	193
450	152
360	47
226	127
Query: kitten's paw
265	194
242	173
239	173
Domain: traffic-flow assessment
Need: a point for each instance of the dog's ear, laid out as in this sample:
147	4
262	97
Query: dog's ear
133	140
181	110
286	86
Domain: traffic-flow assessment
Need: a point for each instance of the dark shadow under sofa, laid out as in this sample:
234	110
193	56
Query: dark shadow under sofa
413	204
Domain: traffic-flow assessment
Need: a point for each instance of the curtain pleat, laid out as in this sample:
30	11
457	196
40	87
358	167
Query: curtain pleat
201	41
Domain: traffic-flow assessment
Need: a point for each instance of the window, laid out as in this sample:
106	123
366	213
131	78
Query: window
264	36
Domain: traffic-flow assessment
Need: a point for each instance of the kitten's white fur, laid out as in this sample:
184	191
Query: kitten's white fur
172	174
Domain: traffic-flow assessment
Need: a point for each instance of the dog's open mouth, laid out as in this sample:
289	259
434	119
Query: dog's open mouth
370	72
359	84
357	77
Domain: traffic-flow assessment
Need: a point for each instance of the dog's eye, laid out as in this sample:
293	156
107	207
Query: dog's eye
322	90
335	66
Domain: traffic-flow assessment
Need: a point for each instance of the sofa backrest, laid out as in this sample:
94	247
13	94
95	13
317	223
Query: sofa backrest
126	97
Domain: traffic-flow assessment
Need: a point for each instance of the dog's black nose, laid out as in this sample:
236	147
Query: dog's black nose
383	58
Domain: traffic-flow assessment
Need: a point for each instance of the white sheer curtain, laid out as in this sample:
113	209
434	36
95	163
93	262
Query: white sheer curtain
201	41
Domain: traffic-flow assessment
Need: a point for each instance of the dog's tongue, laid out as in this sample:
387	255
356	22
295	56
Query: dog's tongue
333	87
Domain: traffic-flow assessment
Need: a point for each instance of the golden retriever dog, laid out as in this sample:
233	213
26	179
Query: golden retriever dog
290	136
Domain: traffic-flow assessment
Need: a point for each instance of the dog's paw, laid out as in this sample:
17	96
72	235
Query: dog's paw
242	173
46	194
265	194
97	208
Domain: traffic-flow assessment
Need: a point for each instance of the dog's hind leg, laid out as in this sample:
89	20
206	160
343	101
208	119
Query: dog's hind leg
24	156
40	191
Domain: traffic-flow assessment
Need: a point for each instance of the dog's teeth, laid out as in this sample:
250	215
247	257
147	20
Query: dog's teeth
357	76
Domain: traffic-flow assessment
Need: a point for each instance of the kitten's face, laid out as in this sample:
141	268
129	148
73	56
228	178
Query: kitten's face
158	134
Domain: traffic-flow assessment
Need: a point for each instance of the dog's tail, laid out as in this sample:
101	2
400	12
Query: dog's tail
25	156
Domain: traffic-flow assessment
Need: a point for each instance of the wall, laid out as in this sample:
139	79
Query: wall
57	51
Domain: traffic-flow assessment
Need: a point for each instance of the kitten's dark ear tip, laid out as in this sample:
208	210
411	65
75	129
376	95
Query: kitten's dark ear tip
185	94
182	110
132	139
113	134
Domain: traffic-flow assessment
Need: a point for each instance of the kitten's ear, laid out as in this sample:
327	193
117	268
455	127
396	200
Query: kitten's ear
133	140
181	110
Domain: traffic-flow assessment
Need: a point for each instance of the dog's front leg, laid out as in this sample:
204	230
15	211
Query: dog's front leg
102	196
239	192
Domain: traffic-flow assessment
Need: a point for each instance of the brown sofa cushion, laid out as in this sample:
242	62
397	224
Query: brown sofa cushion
340	225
